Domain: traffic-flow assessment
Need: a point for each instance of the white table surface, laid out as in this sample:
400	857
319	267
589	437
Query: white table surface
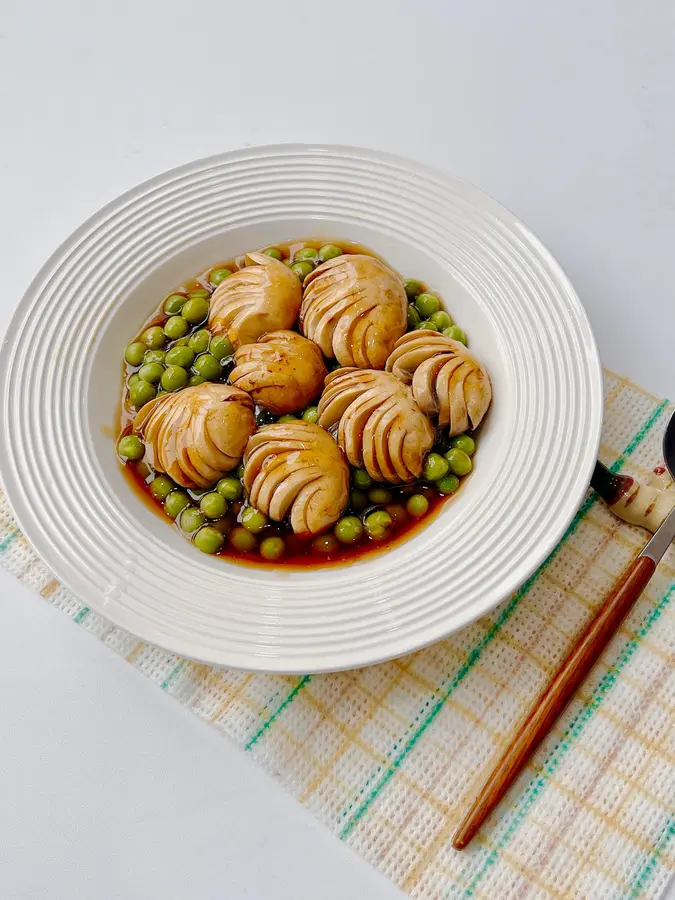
563	110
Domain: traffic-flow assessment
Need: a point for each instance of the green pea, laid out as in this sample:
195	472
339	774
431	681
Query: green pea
174	378
302	268
134	353
325	544
349	530
361	479
154	356
459	462
413	317
448	485
435	467
377	524
195	310
133	379
306	253
191	519
379	495
174	303
151	372
311	414
253	520
272	548
141	393
208	367
242	540
417	505
154	337
208	540
182	342
180	356
412	288
289	417
274	253
239	471
218	275
457	334
199	293
230	488
378	519
427	325
196	380
329	251
161	487
221	347
427	304
358	500
200	340
441	319
213	505
176	327
175	503
131	447
465	443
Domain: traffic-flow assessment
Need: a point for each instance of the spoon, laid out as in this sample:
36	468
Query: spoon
586	652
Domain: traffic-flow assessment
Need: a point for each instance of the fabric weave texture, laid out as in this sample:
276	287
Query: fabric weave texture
390	757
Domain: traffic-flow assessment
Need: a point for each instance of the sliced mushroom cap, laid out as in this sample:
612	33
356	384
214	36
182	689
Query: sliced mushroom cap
446	379
283	371
198	434
296	469
379	425
263	296
355	309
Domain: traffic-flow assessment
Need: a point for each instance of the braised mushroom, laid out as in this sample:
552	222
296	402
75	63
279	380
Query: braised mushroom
296	469
355	309
283	371
199	433
263	296
380	426
446	379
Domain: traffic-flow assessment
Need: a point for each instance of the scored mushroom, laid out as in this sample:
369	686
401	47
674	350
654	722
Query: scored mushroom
197	434
380	426
446	379
296	469
263	296
355	309
283	371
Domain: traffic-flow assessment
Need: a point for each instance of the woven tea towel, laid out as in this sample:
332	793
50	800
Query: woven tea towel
389	757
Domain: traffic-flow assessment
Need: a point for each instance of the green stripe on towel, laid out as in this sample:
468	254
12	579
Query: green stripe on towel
538	784
434	706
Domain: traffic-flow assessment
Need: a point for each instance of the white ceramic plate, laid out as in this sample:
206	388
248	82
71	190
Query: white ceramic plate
60	381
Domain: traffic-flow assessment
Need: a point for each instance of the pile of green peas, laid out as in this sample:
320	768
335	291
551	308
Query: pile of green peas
200	515
375	510
306	259
444	470
425	312
180	352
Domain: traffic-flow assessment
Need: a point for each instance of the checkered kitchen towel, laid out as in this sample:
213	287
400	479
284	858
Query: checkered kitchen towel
389	757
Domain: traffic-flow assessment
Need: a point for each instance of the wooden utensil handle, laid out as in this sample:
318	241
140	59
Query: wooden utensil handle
556	696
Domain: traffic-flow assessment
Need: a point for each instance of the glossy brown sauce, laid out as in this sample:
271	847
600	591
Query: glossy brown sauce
300	552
